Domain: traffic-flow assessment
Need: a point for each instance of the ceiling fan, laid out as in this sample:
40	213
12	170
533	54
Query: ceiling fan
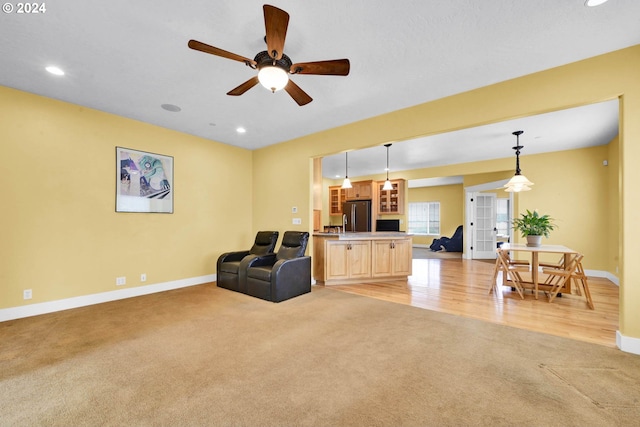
274	67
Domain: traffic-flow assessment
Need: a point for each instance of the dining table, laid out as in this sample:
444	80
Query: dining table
535	252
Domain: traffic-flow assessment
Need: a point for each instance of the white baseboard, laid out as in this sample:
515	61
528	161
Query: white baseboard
603	274
628	344
85	300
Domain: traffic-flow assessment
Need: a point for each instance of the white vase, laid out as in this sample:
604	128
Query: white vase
534	240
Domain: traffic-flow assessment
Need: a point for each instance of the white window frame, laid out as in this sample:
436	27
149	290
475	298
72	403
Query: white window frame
425	215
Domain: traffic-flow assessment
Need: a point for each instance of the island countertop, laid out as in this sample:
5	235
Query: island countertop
364	235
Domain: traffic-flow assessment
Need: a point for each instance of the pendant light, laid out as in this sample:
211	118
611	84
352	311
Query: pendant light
346	183
518	182
387	183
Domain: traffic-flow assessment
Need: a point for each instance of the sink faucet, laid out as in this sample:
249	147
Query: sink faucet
344	223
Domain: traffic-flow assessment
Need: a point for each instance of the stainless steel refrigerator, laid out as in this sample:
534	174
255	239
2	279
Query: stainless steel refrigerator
357	215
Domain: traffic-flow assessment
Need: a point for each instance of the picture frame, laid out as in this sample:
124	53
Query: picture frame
144	181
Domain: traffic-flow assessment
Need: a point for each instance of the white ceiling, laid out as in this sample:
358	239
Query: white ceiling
130	57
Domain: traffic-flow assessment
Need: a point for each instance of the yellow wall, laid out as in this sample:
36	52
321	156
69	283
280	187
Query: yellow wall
61	235
572	187
451	198
568	86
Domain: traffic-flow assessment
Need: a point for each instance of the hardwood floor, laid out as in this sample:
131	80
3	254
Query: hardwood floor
461	287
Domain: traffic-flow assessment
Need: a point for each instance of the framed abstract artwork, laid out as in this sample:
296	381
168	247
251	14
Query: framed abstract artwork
144	181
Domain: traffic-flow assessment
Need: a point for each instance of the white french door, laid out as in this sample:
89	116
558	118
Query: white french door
484	226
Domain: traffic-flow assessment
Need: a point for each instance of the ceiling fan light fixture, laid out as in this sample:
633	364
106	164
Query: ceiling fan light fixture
273	77
272	64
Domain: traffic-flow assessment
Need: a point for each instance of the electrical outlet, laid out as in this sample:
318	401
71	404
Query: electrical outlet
121	281
143	277
27	294
297	221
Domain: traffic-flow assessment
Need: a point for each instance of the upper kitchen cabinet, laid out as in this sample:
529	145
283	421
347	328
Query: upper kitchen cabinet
337	196
391	202
360	190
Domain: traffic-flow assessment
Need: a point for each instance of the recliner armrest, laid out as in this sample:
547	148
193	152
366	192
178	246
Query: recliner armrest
233	256
291	264
230	257
290	278
258	261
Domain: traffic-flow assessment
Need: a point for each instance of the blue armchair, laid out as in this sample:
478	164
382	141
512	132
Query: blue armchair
452	244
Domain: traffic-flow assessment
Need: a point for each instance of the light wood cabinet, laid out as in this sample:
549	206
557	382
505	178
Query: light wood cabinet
340	260
360	190
347	259
390	202
391	258
337	196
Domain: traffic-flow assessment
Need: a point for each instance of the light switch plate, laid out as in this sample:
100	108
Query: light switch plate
297	221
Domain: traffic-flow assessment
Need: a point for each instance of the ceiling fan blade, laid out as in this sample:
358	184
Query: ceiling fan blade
297	94
196	45
336	67
276	22
244	87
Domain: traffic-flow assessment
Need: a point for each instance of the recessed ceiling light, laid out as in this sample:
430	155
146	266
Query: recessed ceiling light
241	130
594	3
55	70
171	107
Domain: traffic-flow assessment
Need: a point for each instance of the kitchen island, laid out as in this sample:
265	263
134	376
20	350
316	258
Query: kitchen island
344	258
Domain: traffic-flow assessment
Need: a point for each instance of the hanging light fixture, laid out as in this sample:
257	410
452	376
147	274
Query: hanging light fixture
346	183
273	73
518	182
387	183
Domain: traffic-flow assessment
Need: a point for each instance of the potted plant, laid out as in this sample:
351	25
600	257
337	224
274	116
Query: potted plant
533	226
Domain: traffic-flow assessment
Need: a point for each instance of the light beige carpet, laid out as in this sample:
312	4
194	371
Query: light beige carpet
204	356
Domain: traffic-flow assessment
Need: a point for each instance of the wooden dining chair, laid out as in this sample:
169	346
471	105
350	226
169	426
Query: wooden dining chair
559	264
510	268
580	278
559	278
498	265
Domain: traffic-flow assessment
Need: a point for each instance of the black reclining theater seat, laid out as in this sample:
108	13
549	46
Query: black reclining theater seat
280	276
229	262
